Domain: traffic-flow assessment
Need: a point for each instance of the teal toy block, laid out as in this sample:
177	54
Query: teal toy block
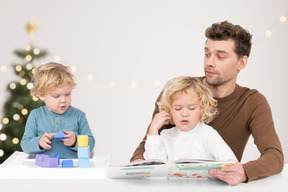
59	135
67	163
83	152
83	163
58	156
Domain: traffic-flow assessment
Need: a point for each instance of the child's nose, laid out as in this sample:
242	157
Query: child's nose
185	113
63	99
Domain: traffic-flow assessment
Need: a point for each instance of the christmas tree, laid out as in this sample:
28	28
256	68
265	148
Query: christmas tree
20	102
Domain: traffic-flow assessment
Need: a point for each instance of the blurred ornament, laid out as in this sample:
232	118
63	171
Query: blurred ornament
31	27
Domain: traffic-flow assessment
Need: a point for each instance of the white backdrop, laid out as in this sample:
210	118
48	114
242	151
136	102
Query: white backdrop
142	42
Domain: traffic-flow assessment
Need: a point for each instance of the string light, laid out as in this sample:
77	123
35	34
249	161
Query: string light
73	69
16	117
30	86
112	84
15	140
268	33
29	66
5	120
1	152
3	137
34	98
12	86
20	107
18	68
3	68
133	84
27	48
282	19
57	59
24	111
28	58
36	51
1	126
22	73
90	77
23	81
157	83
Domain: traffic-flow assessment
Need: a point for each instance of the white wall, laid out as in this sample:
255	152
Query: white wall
144	41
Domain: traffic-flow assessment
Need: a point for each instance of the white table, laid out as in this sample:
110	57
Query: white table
19	173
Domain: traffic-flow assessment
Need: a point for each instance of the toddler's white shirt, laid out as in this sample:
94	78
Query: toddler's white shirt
202	142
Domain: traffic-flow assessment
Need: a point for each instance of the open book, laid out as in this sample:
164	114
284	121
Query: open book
188	168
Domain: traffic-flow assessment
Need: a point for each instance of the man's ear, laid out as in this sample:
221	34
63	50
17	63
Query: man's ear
242	62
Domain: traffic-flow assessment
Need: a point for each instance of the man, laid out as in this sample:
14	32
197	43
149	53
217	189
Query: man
242	111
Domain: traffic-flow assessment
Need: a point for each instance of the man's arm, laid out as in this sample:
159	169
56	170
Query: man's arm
265	137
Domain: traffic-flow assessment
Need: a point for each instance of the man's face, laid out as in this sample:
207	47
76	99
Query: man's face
221	64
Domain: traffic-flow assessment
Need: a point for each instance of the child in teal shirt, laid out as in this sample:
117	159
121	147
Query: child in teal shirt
53	85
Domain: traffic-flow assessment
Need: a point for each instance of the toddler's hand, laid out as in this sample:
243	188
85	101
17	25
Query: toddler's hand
70	139
158	121
45	140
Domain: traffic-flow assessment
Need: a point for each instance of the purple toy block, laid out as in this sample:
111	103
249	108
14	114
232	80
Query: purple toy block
43	160
40	159
67	163
60	135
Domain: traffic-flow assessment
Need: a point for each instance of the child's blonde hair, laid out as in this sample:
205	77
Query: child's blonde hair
51	75
179	85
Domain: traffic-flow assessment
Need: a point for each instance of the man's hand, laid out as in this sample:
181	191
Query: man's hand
233	175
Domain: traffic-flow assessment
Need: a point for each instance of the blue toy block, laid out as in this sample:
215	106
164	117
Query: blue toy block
60	135
83	152
58	156
83	163
43	160
67	163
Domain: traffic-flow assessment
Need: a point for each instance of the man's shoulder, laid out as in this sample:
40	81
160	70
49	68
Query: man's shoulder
249	93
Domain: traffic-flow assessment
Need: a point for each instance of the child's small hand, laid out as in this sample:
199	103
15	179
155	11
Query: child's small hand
45	140
158	121
70	139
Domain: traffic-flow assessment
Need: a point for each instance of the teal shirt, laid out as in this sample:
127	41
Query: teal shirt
41	121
